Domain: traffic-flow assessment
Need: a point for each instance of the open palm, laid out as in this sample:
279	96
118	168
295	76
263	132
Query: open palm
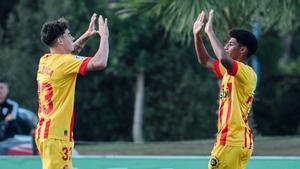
199	23
91	28
208	26
102	26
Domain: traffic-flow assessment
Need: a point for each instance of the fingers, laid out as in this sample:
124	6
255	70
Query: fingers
92	22
201	16
102	27
211	14
100	20
93	18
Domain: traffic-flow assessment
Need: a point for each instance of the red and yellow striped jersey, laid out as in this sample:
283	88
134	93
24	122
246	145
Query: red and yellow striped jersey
56	78
235	100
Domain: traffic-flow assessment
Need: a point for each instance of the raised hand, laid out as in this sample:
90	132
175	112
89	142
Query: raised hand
199	23
91	29
102	27
208	27
81	41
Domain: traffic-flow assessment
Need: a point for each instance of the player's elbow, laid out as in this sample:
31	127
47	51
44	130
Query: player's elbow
100	65
203	62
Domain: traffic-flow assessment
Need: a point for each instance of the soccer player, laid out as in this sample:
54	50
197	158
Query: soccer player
56	78
234	142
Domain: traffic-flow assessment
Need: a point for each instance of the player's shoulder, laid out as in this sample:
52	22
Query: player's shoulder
56	55
247	70
246	67
73	57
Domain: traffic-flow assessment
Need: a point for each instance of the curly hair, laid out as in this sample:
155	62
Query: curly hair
245	38
52	30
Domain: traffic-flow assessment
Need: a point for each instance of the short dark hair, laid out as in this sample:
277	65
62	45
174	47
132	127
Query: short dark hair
52	30
245	38
3	81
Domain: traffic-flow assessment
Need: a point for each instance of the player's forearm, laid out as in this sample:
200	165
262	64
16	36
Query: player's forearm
217	46
80	43
202	55
99	61
219	51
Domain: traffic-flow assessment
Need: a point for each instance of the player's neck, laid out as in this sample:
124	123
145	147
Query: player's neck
58	50
243	59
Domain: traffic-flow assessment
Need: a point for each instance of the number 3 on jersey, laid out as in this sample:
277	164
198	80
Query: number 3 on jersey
45	93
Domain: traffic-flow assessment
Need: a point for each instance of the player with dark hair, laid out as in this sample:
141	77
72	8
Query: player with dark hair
56	78
234	143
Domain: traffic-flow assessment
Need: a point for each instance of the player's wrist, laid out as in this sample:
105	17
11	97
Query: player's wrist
209	31
103	35
196	34
88	34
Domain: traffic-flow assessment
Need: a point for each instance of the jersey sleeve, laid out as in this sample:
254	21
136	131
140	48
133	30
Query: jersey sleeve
218	69
75	64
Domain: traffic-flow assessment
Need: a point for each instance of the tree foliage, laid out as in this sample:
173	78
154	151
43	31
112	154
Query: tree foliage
178	16
180	95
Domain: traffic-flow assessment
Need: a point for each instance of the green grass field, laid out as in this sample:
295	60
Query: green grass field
269	152
264	146
148	162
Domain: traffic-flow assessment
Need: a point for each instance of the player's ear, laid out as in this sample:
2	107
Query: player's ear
58	41
243	50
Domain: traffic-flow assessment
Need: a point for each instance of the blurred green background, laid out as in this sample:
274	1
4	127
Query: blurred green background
153	73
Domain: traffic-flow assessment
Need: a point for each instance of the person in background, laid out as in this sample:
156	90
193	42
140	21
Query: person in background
8	113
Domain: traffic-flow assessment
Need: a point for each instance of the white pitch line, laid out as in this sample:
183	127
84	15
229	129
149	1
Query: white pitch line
275	157
145	157
187	157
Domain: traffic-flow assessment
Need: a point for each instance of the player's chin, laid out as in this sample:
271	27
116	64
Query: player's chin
235	57
232	56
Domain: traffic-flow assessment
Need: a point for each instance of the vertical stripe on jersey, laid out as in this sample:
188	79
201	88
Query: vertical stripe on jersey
245	137
225	130
40	127
71	127
221	113
249	100
221	110
250	137
46	133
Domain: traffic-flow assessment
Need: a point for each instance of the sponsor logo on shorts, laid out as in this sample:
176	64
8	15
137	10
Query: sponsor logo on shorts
214	162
